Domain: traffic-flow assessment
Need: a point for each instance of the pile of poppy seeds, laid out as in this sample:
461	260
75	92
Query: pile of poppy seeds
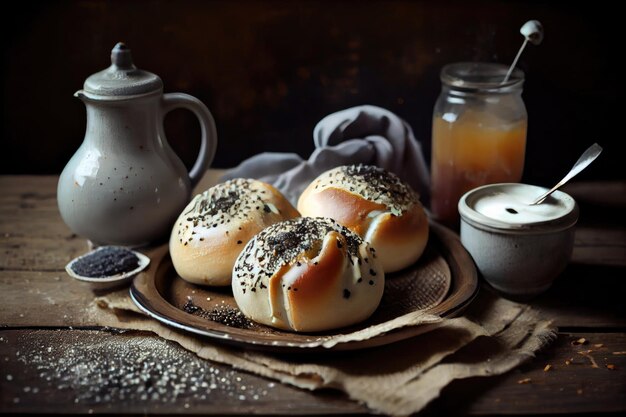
106	261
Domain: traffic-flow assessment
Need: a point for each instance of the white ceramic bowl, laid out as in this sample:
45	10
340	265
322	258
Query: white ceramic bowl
519	249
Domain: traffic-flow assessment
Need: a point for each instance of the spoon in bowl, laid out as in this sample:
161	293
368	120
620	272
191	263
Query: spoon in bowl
583	162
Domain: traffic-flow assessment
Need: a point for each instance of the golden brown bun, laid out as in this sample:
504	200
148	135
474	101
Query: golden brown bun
375	204
214	228
308	275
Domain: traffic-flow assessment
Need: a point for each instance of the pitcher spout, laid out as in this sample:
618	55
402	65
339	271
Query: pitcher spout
80	94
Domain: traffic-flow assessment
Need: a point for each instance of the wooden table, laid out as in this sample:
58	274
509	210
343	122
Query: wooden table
53	358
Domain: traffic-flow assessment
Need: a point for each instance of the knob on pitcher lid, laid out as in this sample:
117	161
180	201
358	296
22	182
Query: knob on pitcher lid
122	78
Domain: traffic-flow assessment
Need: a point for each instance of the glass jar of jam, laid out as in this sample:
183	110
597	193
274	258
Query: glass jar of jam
478	134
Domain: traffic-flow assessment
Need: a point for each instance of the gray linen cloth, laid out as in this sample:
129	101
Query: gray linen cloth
363	134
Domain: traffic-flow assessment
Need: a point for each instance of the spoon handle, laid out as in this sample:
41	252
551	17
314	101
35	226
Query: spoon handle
583	162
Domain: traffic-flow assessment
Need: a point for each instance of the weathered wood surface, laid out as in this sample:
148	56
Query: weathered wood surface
36	293
56	371
577	387
99	371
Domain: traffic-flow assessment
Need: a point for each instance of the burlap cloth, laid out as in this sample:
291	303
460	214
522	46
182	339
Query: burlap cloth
397	379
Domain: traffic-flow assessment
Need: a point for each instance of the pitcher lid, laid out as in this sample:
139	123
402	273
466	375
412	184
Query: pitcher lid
122	78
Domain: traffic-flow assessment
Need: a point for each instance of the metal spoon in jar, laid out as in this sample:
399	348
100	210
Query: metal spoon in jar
583	162
533	33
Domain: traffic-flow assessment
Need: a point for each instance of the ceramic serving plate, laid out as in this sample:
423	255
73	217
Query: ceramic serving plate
443	282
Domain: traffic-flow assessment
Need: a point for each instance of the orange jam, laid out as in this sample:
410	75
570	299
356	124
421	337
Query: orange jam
474	150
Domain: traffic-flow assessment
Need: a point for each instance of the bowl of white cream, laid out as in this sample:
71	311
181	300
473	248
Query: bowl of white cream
518	248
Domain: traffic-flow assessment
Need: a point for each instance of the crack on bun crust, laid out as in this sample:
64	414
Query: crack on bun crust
287	243
307	274
377	205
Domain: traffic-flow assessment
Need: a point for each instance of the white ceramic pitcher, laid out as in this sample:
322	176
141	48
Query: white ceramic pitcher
125	185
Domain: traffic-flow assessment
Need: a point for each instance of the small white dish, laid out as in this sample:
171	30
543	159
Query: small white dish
112	281
518	248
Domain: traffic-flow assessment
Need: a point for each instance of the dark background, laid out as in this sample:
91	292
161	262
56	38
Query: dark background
269	71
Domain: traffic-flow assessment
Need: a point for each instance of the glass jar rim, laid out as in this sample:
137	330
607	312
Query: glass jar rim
480	76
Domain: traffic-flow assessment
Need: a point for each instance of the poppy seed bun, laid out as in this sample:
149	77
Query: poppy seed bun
376	205
215	226
307	275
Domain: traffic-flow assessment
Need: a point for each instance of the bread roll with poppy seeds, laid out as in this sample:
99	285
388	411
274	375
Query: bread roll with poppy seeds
215	226
307	275
376	205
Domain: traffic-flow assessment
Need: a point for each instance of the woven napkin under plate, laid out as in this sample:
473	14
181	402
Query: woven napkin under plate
397	379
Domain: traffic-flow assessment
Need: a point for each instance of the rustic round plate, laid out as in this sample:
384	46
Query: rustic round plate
443	282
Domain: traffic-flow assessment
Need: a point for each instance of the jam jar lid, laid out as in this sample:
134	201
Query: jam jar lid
506	207
122	78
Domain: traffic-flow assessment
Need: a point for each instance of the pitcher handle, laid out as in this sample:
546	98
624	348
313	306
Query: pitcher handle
208	140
